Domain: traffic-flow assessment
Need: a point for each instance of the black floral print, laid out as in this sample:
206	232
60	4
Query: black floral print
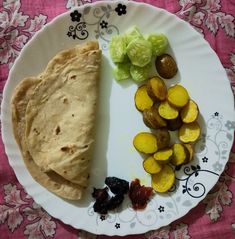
204	159
117	225
120	9
75	16
104	24
161	209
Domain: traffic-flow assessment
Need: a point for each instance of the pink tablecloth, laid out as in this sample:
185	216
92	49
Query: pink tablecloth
20	217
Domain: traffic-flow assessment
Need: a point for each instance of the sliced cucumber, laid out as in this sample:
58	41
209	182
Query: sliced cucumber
159	43
139	51
132	34
139	74
122	71
117	48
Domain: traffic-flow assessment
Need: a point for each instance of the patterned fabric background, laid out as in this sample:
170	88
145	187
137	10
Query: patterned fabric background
21	217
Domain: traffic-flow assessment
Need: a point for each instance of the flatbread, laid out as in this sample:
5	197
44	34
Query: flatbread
60	114
51	180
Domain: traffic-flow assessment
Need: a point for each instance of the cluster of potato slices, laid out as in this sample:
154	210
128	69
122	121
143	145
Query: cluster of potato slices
165	110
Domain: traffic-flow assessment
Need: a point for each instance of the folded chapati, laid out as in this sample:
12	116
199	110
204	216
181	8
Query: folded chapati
55	129
52	181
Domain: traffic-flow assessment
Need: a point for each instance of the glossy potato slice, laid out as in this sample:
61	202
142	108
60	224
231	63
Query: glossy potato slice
163	155
145	142
178	96
142	99
190	112
189	133
167	111
151	165
152	119
180	154
156	89
164	180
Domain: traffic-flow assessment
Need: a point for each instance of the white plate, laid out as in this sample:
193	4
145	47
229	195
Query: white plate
200	71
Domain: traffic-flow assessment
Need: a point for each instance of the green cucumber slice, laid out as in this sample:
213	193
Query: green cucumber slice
122	71
139	52
159	43
117	48
139	74
132	34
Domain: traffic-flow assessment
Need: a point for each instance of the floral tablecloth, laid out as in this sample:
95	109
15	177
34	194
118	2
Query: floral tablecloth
21	217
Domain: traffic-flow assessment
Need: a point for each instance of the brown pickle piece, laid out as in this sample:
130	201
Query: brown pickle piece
166	66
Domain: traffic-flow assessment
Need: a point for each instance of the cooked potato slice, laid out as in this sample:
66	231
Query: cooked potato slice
190	112
174	124
163	155
152	119
156	89
178	96
151	165
164	180
163	138
189	147
145	142
167	111
180	154
189	133
142	99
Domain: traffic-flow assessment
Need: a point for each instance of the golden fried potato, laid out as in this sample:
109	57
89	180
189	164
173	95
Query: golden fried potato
152	119
145	142
177	96
142	99
189	133
163	155
167	111
151	165
189	113
156	89
164	180
180	154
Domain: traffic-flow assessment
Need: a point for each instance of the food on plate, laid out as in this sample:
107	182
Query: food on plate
164	180
117	49
189	133
138	73
51	125
117	185
180	154
159	43
174	124
163	138
177	96
163	155
167	111
138	51
156	89
104	201
152	119
151	166
190	112
170	110
190	149
145	142
139	194
142	99
122	71
51	180
166	66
